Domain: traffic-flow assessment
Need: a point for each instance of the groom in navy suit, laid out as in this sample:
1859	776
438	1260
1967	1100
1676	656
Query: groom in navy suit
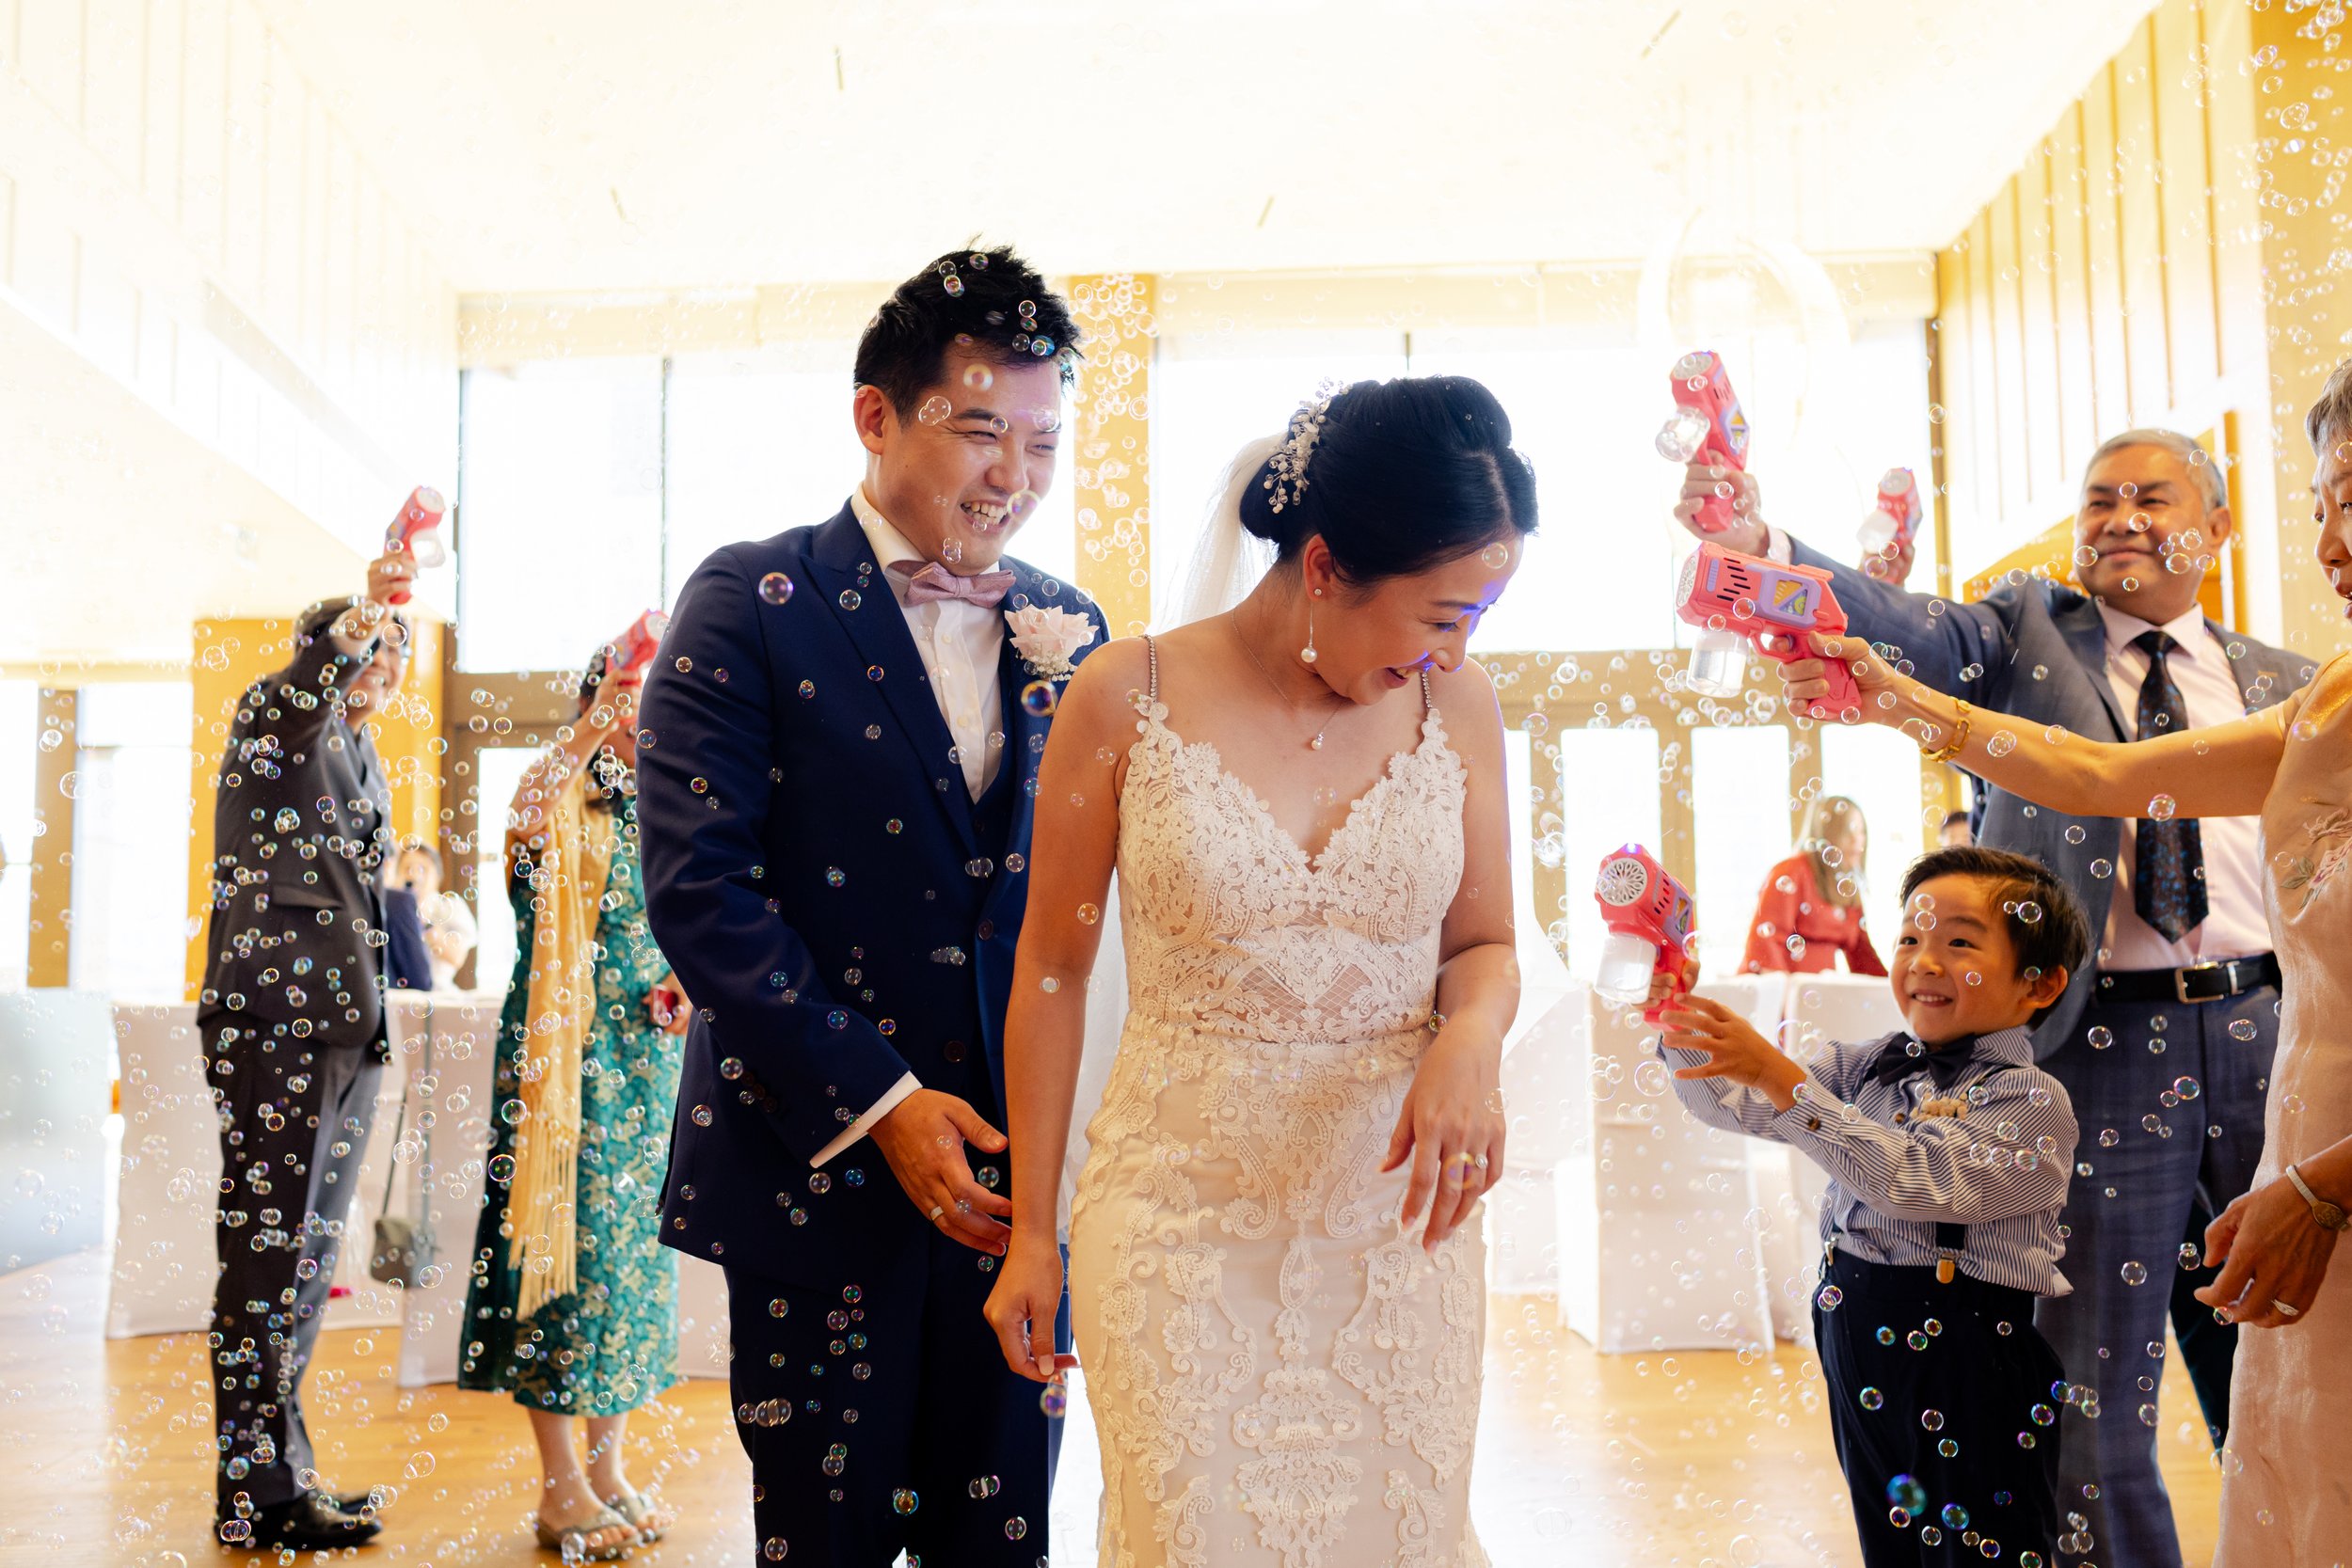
837	759
2164	1042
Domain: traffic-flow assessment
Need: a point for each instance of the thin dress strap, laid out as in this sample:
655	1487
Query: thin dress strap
1151	656
1428	698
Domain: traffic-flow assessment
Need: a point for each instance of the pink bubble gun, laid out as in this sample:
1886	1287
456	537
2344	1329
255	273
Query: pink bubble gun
417	530
1897	515
1708	427
1648	917
636	646
1734	599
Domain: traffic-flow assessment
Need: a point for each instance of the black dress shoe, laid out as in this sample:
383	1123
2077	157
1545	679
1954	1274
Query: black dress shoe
311	1521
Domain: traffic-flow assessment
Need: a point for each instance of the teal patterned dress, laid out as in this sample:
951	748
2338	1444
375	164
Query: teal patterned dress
612	1344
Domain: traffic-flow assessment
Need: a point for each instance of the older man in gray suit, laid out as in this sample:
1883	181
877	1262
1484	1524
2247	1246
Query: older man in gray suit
2164	1042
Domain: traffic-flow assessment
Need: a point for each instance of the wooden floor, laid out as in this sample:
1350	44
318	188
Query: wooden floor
1697	1460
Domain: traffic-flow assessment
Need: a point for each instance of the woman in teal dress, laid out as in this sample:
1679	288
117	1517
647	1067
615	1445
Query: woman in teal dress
573	1303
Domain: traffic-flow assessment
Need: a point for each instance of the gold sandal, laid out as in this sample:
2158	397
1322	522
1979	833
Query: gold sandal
571	1543
634	1510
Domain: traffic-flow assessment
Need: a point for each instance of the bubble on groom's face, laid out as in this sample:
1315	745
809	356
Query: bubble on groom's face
962	472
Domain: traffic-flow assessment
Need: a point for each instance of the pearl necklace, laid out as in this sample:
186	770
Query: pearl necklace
1314	744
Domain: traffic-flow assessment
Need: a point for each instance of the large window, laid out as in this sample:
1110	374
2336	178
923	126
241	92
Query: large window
561	521
1585	408
1211	396
594	488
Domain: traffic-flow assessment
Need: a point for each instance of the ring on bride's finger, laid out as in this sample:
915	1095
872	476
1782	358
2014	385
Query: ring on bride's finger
2286	1309
937	1210
1482	1162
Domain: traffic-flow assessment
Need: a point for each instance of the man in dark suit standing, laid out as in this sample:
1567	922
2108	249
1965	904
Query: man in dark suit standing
837	759
2164	1042
292	1017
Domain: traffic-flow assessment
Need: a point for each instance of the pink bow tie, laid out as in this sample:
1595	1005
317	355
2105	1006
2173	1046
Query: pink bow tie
927	581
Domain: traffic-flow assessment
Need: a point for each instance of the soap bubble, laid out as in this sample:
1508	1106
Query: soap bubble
2242	1029
1871	1398
2135	1273
2160	809
776	588
1037	699
1906	1493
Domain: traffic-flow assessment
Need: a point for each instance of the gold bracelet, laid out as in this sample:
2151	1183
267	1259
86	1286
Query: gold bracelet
1959	741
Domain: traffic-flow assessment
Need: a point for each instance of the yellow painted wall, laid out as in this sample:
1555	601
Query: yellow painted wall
2164	256
1109	445
229	655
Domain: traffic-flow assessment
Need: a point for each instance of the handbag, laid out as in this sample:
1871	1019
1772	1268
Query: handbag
403	1243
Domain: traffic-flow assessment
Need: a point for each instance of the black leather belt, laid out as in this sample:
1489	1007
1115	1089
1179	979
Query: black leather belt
2207	982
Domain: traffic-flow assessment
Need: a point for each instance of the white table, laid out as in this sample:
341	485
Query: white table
1660	1234
165	1263
168	1187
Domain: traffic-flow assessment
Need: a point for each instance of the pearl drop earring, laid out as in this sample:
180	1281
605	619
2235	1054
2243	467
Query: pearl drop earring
1306	654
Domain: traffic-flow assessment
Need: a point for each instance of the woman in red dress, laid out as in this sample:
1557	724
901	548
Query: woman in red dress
1810	910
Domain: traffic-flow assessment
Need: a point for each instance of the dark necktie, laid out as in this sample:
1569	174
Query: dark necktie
2169	861
1943	1064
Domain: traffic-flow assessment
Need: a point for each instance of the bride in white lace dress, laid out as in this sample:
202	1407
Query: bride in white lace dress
1277	1272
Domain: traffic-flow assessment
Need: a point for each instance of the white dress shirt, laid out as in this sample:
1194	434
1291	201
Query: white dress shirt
2234	925
960	645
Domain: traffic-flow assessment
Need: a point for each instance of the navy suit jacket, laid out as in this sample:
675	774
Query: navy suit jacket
827	891
2036	649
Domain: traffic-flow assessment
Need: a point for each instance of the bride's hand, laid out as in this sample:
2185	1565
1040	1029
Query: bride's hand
1450	1126
1024	1303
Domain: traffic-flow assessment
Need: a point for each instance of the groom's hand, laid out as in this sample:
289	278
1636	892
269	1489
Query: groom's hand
923	1139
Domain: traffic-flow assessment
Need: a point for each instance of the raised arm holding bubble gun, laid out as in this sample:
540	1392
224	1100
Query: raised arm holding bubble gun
1889	534
2181	950
1708	431
417	532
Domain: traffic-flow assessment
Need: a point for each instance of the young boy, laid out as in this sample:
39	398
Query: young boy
1948	1154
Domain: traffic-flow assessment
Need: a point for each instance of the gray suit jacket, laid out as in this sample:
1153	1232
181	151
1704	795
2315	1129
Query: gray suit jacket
301	829
2037	650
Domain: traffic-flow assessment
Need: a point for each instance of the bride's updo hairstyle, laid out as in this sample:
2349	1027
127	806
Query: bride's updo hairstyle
1402	476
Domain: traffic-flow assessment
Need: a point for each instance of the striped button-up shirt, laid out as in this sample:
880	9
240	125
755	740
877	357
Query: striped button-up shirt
1991	1152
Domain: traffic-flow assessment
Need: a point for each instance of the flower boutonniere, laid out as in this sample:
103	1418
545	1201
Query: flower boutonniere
1951	1105
1046	638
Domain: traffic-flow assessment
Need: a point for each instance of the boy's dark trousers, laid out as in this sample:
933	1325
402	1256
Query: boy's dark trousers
1980	1388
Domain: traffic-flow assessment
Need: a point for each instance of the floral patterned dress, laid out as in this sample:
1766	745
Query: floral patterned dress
611	1345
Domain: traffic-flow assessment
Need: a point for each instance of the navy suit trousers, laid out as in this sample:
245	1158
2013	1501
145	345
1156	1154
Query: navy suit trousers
2149	1163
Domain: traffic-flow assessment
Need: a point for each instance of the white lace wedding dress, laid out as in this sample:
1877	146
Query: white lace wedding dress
1280	1378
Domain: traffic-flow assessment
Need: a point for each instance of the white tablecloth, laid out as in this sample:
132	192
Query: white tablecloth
170	1172
1660	1233
168	1191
